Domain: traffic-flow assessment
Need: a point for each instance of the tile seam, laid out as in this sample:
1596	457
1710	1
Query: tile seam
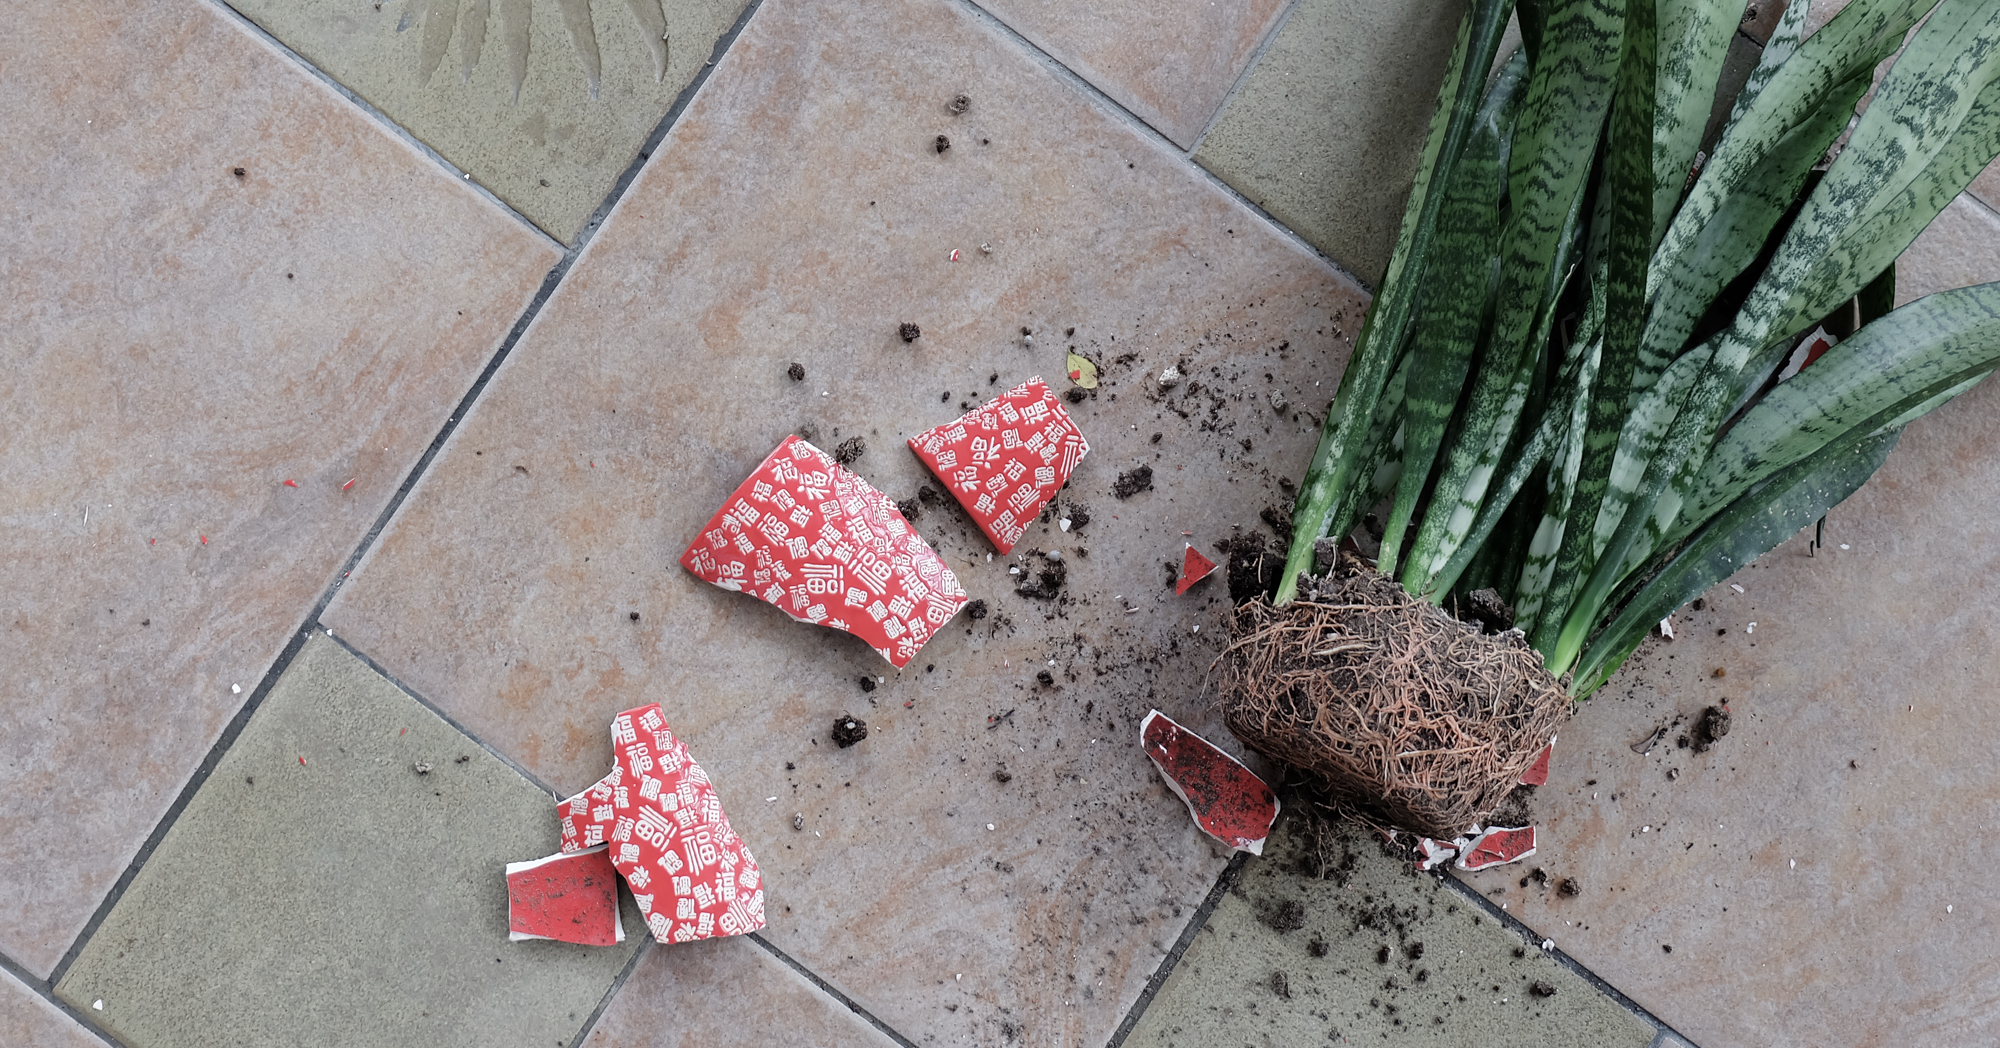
830	990
1992	210
1131	120
45	989
1562	957
296	640
397	131
1256	58
1223	882
611	992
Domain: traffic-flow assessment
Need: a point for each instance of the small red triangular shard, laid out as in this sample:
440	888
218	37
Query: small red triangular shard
1538	772
1194	568
1228	801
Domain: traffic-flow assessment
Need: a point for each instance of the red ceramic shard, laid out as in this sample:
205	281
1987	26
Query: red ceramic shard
1194	568
1538	772
806	535
1228	801
1432	852
1809	349
1498	846
568	897
1006	458
692	877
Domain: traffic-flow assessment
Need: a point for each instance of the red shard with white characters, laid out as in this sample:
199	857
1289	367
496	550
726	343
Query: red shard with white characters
568	897
805	534
1228	801
692	877
1005	459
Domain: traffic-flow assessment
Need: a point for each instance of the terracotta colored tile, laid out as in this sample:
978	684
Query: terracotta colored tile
1327	129
719	994
1171	62
530	128
1796	868
1986	186
656	379
1960	248
181	341
26	1018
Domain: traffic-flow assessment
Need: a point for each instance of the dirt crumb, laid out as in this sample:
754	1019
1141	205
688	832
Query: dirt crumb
943	144
1713	725
1001	774
1542	989
797	372
1317	947
1133	481
1281	985
867	684
1290	916
910	332
848	730
850	451
1485	607
1568	886
976	610
929	496
911	509
958	105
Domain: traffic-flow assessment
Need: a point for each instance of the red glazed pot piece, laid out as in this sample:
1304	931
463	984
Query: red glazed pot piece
1538	772
1497	847
1432	852
1006	458
692	877
806	535
568	897
1194	568
1227	800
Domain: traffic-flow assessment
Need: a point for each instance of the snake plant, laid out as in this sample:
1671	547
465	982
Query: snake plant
1565	387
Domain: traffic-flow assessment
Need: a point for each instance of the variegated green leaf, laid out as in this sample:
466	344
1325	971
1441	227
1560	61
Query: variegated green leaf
1694	39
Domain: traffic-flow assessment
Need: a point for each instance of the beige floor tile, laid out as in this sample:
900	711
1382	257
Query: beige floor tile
1171	62
1327	129
1986	186
1960	248
545	102
656	379
1820	875
721	993
29	1020
181	340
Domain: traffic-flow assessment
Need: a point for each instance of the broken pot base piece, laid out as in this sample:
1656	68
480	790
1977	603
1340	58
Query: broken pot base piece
692	877
1194	568
1497	847
1228	801
804	534
569	897
1005	459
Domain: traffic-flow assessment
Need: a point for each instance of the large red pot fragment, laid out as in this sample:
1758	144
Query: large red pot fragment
1005	459
1227	800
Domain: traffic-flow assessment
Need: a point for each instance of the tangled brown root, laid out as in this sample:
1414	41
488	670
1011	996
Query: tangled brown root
1407	717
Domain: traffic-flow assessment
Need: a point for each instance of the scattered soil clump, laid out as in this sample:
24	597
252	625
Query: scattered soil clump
1281	985
848	730
867	684
1290	916
1253	569
910	332
1133	481
976	610
943	144
1542	989
850	451
1486	608
1043	583
1713	725
797	372
958	105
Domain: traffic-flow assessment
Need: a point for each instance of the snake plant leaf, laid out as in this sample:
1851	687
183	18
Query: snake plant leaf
1915	347
1784	41
1443	345
1337	462
1627	189
1753	526
1694	38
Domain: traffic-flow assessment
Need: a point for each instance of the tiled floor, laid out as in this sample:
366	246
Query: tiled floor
997	863
183	340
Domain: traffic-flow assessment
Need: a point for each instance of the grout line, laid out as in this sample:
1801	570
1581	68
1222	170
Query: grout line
830	990
194	784
646	946
1131	120
45	989
458	174
1992	210
1513	924
1195	924
1256	57
420	700
296	640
